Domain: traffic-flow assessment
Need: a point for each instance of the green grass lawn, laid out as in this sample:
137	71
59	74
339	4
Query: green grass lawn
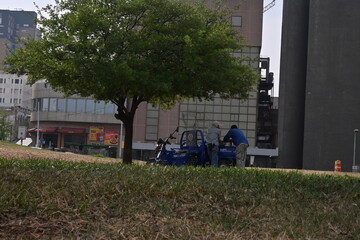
43	199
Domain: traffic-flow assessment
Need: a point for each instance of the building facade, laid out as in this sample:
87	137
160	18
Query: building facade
318	84
15	95
15	25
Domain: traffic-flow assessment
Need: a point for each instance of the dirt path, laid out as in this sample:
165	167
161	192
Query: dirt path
11	151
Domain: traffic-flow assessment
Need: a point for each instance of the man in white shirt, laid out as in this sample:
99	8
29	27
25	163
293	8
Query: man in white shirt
213	139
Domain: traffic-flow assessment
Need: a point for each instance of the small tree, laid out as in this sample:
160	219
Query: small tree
128	52
5	126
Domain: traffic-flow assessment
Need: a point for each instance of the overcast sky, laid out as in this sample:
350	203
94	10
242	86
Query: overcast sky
271	30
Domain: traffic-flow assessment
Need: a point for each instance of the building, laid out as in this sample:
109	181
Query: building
15	25
318	84
15	95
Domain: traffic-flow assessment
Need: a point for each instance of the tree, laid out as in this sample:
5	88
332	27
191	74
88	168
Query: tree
5	126
128	52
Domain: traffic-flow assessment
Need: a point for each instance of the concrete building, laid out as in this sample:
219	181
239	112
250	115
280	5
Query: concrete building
318	84
15	25
15	95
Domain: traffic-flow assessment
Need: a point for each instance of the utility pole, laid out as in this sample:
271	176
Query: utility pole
38	126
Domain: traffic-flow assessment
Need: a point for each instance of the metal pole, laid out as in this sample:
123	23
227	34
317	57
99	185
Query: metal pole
354	167
120	139
38	126
121	131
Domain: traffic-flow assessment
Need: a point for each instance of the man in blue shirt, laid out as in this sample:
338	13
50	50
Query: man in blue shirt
241	143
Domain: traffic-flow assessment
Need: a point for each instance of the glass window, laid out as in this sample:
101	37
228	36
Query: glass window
16	91
16	81
70	106
90	106
1	80
80	105
45	105
61	105
99	107
109	108
15	100
236	21
36	102
52	105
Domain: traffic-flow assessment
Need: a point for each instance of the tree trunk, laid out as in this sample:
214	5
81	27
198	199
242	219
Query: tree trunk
126	113
127	157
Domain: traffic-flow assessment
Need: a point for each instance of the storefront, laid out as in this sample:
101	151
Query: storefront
92	141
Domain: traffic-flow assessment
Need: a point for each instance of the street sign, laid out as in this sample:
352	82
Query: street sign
22	132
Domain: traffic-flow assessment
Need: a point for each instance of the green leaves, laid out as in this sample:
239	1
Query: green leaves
161	50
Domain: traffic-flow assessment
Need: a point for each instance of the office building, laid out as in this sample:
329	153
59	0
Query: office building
318	108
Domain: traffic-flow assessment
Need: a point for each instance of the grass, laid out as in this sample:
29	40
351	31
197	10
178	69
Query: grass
42	199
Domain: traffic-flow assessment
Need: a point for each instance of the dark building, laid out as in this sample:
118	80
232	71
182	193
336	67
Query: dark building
319	99
15	25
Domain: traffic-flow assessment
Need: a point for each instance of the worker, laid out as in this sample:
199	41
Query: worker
213	139
238	138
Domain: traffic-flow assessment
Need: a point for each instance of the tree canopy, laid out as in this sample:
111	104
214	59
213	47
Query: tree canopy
156	51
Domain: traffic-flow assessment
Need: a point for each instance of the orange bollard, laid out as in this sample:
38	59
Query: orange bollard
337	166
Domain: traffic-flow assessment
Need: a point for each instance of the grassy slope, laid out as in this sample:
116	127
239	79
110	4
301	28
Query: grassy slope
55	199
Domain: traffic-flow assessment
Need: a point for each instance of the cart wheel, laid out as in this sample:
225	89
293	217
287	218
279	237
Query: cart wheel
193	160
154	162
223	163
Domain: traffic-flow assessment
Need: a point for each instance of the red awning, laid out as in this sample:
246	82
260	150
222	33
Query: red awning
43	130
72	130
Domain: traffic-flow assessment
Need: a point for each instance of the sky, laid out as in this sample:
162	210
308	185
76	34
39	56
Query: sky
271	39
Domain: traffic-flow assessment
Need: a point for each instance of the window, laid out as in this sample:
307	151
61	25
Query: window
52	105
45	105
36	103
26	25
99	107
109	108
70	106
2	90
15	100
1	80
16	91
61	105
236	21
90	106
80	105
17	81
